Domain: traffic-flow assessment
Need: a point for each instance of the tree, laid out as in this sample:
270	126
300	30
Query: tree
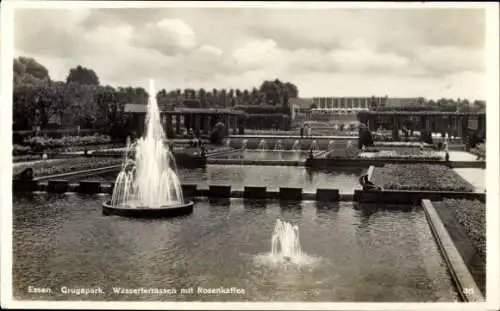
293	91
373	103
202	95
82	75
162	97
81	105
286	98
25	67
23	106
479	105
111	103
277	92
223	96
364	137
246	97
50	100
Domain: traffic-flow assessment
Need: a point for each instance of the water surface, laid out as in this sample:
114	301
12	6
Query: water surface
362	255
273	177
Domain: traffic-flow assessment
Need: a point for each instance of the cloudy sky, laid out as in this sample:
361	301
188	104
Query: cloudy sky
327	52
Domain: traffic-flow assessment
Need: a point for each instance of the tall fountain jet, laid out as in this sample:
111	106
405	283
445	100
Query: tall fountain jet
150	181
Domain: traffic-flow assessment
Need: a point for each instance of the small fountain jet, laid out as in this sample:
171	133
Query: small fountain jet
285	241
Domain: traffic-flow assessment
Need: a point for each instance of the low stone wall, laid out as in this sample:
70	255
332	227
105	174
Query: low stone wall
254	162
181	159
223	152
413	197
189	190
83	173
329	162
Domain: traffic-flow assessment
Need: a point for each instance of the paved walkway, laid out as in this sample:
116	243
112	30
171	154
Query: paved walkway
475	176
462	156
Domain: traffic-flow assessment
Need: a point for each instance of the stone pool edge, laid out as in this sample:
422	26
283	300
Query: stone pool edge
256	192
461	276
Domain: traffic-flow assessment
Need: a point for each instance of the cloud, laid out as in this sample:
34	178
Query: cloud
48	32
358	58
325	52
446	59
168	36
257	53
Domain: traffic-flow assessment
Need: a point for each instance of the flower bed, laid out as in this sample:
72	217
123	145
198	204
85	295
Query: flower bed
388	154
401	154
26	157
41	143
20	150
399	144
60	166
316	131
420	177
472	216
383	137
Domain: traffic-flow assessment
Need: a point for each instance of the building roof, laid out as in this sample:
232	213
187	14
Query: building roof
422	113
304	103
138	108
135	108
401	102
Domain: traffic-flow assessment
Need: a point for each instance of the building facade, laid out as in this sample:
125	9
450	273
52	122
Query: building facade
346	105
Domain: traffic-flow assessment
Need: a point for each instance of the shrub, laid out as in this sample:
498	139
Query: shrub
420	177
426	137
26	157
365	138
60	166
480	151
217	135
20	150
39	143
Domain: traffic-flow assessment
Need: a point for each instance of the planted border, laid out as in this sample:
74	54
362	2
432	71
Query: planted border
461	276
61	166
471	214
420	177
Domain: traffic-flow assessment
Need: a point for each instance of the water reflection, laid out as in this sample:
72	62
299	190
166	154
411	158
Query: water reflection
368	210
344	179
224	202
255	204
70	241
310	174
326	206
326	212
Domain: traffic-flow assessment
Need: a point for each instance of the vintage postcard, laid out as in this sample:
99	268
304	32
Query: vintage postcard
250	155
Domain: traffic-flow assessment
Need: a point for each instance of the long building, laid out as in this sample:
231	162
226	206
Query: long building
346	105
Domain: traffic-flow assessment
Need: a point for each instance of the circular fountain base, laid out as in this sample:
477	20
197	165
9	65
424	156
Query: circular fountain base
145	212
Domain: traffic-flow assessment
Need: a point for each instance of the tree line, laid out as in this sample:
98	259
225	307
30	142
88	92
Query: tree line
441	104
83	101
